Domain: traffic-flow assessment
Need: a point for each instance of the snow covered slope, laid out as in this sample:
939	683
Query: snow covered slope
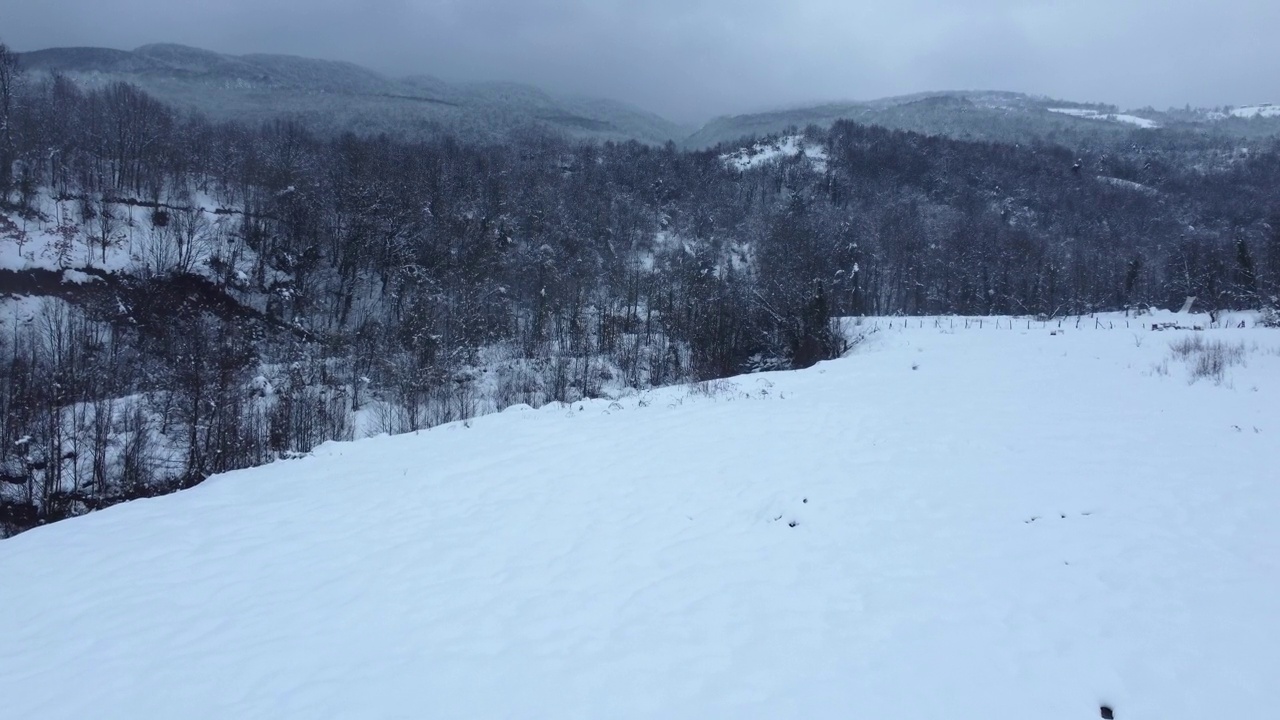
765	152
1253	111
947	524
1111	117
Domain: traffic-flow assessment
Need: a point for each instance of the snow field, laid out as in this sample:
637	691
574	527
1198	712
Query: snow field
1252	111
946	524
1112	117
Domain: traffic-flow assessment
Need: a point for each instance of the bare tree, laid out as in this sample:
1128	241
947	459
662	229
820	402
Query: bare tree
107	223
191	233
9	78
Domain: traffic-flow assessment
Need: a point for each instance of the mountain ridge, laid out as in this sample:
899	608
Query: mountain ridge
991	115
260	86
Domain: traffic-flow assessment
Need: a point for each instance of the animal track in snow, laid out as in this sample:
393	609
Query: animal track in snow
1061	516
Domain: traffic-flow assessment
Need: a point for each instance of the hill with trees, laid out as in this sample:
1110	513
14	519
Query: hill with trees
185	295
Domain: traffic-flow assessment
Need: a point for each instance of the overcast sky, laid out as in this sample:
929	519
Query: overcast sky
692	59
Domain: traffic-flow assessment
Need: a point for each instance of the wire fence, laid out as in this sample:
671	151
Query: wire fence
1083	322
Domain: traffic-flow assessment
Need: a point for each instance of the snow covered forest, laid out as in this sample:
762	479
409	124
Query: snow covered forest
184	297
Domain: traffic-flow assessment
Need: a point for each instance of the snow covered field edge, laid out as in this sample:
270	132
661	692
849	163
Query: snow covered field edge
949	523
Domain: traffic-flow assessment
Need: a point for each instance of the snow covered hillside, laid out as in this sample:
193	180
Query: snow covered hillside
1111	117
119	237
765	152
1252	111
1012	521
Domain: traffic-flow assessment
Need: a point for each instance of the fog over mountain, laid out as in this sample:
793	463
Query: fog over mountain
696	59
335	97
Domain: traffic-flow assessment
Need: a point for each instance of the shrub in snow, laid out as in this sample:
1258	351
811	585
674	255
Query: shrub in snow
1208	359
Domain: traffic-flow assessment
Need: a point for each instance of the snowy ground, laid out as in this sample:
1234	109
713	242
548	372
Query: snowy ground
763	153
966	523
1112	117
62	240
1253	111
1130	185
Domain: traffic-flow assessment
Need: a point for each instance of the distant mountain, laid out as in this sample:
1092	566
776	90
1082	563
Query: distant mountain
343	96
992	116
339	96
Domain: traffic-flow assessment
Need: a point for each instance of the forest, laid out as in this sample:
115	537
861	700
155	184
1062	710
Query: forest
248	292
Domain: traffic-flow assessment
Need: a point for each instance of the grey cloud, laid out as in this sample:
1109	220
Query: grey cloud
690	59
